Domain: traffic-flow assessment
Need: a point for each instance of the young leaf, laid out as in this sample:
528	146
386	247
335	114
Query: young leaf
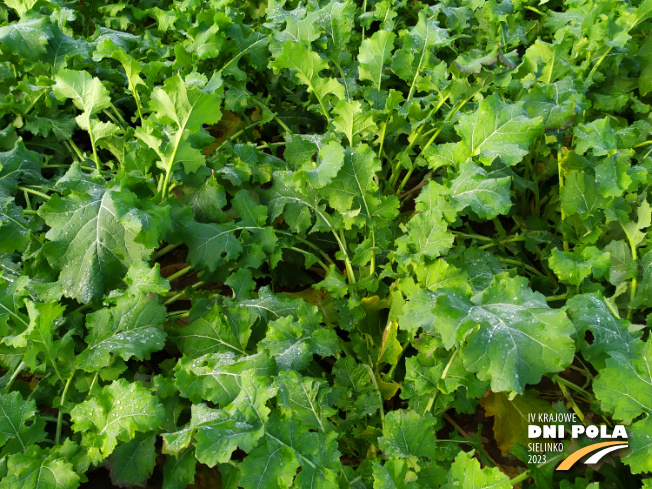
373	54
408	435
499	130
115	414
487	197
465	473
132	463
37	468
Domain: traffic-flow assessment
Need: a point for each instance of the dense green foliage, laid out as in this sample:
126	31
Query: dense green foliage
314	243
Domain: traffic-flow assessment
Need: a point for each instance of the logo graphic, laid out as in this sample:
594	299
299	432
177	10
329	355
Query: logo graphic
607	447
555	427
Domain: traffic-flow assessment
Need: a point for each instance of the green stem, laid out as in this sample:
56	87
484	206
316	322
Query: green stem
165	250
479	237
372	265
179	274
561	187
95	158
87	168
176	297
19	369
382	140
30	106
573	386
117	113
364	9
534	10
525	474
90	390
561	297
112	117
570	399
521	264
646	143
503	241
27	201
341	241
299	250
307	243
432	400
57	438
34	192
634	282
380	396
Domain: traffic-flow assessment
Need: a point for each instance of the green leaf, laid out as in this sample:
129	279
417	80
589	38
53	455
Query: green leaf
356	195
115	414
352	121
408	434
18	165
269	465
499	130
640	441
215	331
293	343
27	38
216	377
509	331
612	176
427	235
133	328
418	43
88	244
20	426
36	468
623	387
393	474
465	473
329	162
569	267
14	229
598	136
43	349
240	425
550	62
87	93
307	400
557	103
132	463
286	447
487	197
580	194
644	290
179	471
590	313
373	54
621	256
187	108
307	65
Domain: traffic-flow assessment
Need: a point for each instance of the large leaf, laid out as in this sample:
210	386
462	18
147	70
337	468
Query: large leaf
88	244
623	387
499	130
512	336
20	427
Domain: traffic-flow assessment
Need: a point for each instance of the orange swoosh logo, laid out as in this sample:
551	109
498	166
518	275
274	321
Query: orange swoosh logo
571	459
